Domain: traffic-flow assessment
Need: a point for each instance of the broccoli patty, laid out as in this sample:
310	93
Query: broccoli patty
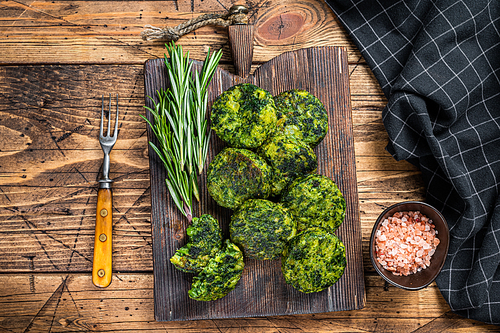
315	201
220	276
313	261
301	115
204	241
236	175
289	158
261	229
244	115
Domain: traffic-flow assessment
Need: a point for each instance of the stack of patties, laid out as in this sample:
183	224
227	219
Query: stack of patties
218	264
315	259
267	175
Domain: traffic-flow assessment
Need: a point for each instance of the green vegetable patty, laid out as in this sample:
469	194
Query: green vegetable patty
261	229
220	276
315	201
244	116
301	115
289	159
204	241
236	175
313	261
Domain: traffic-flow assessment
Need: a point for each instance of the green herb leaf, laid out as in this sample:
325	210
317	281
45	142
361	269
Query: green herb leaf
180	124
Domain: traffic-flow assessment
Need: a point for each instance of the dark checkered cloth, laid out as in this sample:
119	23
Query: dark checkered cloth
438	63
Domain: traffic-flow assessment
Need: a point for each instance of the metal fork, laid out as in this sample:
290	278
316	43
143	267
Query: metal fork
102	264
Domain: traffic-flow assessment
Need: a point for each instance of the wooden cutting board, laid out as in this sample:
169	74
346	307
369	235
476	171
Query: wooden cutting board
262	291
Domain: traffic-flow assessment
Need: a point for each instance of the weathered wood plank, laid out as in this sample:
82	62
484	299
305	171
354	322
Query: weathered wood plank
104	32
48	176
62	302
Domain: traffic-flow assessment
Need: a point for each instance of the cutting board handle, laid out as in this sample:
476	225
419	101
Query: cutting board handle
241	45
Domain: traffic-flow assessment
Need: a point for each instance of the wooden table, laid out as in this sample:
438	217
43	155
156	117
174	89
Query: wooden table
57	58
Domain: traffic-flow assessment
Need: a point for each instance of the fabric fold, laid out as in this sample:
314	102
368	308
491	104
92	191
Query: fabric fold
438	63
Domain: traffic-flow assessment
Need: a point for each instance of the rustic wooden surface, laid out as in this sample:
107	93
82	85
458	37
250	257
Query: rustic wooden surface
56	59
262	291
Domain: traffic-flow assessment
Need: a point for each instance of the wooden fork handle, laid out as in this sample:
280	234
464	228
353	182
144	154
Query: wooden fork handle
102	267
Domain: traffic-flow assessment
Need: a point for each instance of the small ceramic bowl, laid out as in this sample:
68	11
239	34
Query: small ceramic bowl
425	277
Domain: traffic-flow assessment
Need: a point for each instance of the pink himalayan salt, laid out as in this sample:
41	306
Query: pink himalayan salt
405	243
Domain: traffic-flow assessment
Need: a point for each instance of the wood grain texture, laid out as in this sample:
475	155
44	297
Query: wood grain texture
262	291
70	302
51	161
108	31
241	45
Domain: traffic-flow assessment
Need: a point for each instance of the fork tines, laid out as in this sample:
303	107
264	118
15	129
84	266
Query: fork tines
115	132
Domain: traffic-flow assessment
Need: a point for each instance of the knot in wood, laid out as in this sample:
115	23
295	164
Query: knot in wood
282	26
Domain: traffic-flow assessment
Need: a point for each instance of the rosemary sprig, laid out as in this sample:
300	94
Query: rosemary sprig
199	86
181	126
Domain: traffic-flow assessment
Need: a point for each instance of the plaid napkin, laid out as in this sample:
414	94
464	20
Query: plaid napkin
438	63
